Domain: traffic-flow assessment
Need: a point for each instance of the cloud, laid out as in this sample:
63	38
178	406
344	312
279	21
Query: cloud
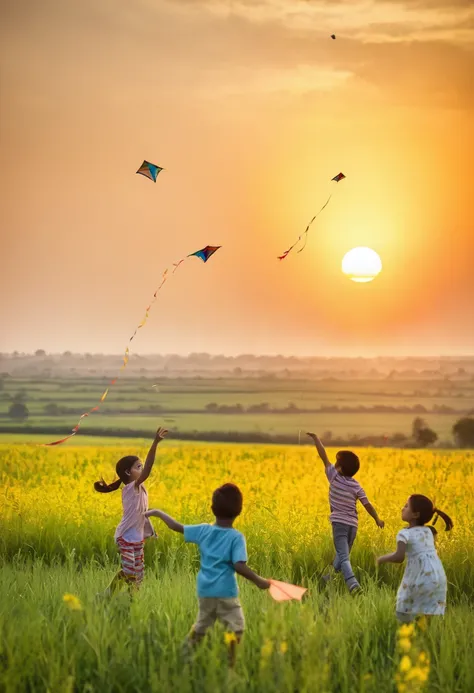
415	53
453	21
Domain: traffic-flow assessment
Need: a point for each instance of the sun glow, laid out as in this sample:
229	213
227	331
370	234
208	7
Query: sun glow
361	264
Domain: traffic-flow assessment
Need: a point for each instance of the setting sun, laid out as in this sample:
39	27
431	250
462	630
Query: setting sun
361	264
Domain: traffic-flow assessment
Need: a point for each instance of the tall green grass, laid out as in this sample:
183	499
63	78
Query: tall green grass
335	642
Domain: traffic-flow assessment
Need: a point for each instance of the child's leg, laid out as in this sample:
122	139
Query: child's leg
352	536
229	612
118	581
233	648
131	556
139	556
205	619
344	536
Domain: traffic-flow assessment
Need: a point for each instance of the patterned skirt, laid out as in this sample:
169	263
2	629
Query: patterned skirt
131	555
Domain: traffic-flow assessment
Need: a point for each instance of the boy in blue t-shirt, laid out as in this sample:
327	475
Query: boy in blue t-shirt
223	553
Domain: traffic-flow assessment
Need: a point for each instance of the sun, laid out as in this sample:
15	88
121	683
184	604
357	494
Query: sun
361	264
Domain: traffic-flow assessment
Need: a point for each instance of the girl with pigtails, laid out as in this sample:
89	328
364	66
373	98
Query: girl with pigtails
423	587
134	527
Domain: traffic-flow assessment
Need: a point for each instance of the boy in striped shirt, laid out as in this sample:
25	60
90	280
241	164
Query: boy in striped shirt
344	492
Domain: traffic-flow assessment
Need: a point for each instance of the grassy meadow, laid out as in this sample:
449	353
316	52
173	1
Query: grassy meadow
258	409
57	538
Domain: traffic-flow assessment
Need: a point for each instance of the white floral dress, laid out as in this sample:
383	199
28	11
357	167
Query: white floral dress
423	588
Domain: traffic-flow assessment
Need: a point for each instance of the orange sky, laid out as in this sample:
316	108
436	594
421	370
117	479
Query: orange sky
251	108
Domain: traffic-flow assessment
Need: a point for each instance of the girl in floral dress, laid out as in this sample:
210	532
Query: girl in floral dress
423	588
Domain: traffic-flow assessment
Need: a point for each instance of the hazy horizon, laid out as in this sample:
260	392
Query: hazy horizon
252	109
269	355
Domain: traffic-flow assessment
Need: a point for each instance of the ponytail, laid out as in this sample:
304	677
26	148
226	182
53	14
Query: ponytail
426	510
122	469
102	487
447	520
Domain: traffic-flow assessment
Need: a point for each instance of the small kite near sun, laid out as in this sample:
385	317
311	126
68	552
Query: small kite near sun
149	170
303	237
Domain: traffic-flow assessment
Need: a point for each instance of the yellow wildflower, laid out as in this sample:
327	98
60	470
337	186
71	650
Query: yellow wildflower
283	647
423	658
406	631
229	638
267	649
417	674
404	644
422	623
405	664
72	602
423	675
402	687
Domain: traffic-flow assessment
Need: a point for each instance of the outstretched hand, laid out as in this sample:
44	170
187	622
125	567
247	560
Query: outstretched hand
161	433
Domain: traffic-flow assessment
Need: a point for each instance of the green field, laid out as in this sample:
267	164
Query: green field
267	407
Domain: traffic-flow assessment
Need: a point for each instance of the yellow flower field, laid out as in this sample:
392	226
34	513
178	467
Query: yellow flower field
57	552
49	503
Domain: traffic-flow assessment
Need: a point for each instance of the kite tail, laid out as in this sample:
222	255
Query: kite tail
304	235
204	254
126	358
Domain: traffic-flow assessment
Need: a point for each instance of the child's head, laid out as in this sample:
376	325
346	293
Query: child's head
227	501
347	463
128	469
419	510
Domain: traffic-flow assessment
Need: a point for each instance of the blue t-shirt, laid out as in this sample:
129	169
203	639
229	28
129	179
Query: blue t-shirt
220	548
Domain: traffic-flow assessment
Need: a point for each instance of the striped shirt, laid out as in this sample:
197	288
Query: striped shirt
344	491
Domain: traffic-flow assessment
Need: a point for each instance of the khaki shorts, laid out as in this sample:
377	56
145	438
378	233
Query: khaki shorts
227	611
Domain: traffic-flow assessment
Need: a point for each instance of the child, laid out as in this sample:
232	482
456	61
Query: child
423	588
344	492
134	527
223	553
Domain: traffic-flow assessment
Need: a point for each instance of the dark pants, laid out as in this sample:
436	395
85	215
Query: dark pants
344	536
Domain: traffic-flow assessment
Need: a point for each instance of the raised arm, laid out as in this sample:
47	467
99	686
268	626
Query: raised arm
150	458
167	519
397	557
373	513
242	568
320	448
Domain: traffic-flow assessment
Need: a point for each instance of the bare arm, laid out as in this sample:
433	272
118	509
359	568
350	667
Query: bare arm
320	448
242	569
373	513
167	519
150	458
397	557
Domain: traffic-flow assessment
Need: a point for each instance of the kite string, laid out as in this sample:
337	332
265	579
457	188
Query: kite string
339	177
305	232
126	358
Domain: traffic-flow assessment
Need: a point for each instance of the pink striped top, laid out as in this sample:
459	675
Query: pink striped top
134	526
344	491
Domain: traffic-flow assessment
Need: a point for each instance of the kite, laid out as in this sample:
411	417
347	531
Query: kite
149	170
333	36
204	254
284	592
336	179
